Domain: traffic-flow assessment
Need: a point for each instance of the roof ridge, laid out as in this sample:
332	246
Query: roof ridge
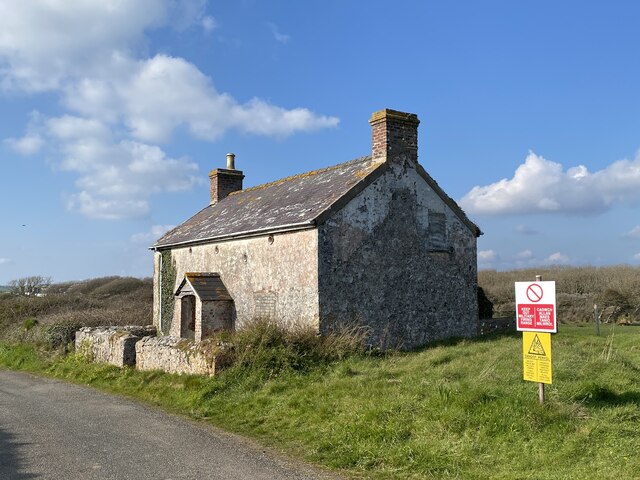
301	175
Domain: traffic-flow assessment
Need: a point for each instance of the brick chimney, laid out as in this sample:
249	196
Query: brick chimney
394	136
225	180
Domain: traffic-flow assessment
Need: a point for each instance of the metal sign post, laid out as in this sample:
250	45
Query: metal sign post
536	319
540	384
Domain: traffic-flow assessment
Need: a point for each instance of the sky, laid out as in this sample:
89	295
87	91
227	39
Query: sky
113	112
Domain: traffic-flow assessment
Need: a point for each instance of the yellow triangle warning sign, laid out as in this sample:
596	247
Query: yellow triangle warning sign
536	347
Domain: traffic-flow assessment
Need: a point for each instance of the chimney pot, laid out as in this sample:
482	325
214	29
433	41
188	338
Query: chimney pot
231	161
224	181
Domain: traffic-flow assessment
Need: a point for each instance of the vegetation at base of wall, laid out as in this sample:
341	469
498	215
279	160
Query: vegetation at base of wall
267	349
167	290
458	409
615	290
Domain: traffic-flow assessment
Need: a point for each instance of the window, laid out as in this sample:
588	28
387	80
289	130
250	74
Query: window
437	231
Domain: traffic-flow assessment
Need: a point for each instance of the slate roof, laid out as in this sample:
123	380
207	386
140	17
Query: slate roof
207	286
286	204
297	202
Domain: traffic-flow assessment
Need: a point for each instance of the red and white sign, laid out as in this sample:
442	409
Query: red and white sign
536	307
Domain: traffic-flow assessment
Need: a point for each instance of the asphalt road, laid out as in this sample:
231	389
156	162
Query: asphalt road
55	430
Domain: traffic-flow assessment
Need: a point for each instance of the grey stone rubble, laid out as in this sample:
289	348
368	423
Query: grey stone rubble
112	345
179	355
138	346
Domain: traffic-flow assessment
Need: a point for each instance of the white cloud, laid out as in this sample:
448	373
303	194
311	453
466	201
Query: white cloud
542	186
557	259
30	144
636	256
188	97
488	259
208	24
121	102
487	256
634	232
279	36
4	260
525	255
44	43
152	235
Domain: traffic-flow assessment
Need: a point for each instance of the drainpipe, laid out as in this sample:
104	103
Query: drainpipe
160	295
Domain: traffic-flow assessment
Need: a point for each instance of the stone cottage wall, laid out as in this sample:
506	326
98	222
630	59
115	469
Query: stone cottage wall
399	260
272	277
112	345
179	355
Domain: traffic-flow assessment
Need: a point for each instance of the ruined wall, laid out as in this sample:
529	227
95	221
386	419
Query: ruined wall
268	277
382	264
178	355
112	345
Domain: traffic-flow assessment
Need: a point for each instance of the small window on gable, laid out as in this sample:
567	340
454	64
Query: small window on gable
437	231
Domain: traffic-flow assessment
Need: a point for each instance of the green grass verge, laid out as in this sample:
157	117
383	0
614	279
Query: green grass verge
453	410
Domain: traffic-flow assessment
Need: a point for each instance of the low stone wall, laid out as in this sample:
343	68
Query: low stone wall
112	345
497	325
179	355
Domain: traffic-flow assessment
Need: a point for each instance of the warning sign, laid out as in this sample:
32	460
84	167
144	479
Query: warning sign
536	306
536	355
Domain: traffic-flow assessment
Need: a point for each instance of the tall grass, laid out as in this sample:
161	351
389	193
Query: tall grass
458	409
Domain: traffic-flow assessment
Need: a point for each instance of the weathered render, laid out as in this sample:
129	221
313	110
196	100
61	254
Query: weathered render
373	242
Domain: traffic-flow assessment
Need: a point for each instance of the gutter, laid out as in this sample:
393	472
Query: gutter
234	236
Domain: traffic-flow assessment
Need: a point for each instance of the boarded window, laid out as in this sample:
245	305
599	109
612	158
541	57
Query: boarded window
437	231
265	305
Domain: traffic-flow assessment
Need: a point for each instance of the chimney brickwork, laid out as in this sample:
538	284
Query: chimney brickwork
224	181
394	136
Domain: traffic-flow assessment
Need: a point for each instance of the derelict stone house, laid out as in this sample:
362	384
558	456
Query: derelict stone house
373	241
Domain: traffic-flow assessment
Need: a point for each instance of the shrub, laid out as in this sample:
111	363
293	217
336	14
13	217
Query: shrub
577	289
270	349
60	335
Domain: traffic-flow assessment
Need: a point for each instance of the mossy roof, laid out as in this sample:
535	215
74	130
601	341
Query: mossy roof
292	203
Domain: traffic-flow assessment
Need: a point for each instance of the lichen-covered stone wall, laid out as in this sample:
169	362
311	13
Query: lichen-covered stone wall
112	345
377	266
179	355
282	268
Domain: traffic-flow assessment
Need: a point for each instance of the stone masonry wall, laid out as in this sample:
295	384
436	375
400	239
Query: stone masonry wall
179	355
275	275
377	266
112	345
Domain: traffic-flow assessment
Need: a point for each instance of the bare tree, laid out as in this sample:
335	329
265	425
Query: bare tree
27	286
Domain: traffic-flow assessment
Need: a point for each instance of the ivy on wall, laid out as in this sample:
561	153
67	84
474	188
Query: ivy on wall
167	289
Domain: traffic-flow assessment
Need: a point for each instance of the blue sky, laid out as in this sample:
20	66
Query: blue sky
112	113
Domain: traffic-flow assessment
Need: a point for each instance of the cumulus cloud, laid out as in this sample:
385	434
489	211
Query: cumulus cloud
487	256
152	235
543	186
636	256
188	98
4	260
30	144
525	255
557	259
120	102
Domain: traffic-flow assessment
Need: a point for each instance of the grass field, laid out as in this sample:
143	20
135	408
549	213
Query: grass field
453	410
